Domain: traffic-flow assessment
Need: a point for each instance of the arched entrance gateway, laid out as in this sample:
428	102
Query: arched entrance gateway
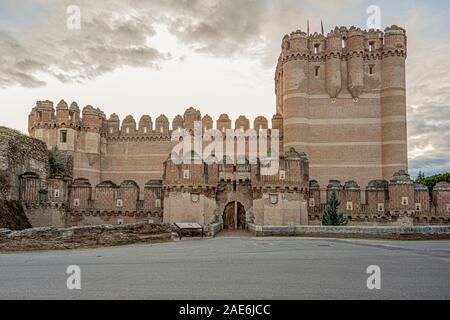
234	216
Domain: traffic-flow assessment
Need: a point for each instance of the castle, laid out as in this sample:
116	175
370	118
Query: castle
341	119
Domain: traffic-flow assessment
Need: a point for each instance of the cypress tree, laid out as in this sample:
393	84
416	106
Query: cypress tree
331	216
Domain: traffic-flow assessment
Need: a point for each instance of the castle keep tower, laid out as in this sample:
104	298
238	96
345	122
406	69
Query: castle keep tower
342	102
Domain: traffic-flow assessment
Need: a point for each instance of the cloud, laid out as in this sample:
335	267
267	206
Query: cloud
429	138
105	42
115	34
428	88
221	28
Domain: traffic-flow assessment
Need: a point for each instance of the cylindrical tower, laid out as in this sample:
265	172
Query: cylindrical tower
66	136
74	112
114	125
393	102
42	119
333	63
91	119
355	64
89	141
62	113
295	56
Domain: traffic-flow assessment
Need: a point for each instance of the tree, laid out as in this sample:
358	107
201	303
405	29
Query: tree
430	182
331	216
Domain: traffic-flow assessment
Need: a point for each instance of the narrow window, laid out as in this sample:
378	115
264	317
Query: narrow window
312	202
111	130
349	206
161	129
127	130
157	203
344	43
418	207
316	71
120	222
119	203
186	174
282	175
316	48
405	201
63	136
371	46
381	207
145	129
76	203
56	193
371	70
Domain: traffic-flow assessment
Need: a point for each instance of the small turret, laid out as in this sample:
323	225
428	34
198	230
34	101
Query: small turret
441	199
113	125
374	41
352	195
62	113
401	193
91	118
317	44
45	112
333	73
277	124
395	39
190	116
74	113
297	42
355	65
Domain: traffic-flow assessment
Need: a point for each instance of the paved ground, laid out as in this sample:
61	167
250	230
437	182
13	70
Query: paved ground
234	268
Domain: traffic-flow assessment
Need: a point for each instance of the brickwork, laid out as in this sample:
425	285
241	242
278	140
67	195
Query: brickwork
343	96
341	116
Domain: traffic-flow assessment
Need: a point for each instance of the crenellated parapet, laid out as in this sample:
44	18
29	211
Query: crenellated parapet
353	47
384	202
344	93
45	118
292	173
342	42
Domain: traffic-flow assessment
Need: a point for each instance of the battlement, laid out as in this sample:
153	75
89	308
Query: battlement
344	41
91	119
343	95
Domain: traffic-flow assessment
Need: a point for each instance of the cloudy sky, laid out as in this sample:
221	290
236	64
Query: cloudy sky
162	56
